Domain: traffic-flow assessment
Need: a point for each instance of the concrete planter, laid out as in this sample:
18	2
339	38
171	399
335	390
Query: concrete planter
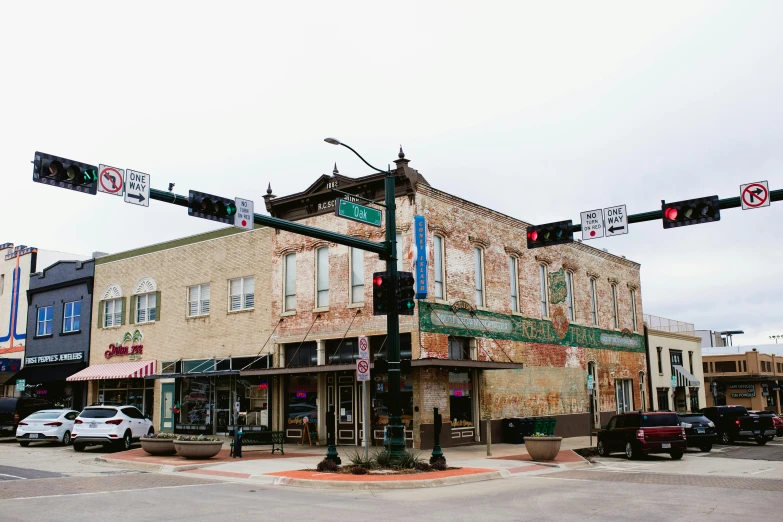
197	449
158	446
543	449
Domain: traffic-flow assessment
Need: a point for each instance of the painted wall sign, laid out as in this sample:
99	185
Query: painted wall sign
61	357
420	231
439	318
10	365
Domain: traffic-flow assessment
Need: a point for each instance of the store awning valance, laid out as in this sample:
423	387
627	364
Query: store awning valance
217	373
48	372
128	370
684	378
466	363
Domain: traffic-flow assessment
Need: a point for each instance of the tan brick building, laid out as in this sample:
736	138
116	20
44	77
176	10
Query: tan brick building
750	378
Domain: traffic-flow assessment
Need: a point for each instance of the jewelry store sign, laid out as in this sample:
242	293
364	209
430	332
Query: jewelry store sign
57	358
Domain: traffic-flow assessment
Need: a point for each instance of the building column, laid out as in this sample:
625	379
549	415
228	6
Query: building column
475	377
322	398
279	350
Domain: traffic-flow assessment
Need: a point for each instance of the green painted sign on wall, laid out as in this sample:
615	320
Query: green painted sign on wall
440	318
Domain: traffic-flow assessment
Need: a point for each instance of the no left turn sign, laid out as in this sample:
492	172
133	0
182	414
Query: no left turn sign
111	180
754	195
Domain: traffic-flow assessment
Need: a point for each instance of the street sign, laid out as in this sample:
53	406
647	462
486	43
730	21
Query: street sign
356	212
362	370
21	384
592	224
244	216
364	348
590	382
111	180
616	220
137	188
420	228
674	381
754	195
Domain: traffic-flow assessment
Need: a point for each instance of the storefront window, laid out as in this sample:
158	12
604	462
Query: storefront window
299	355
253	398
342	351
381	401
131	392
460	400
195	403
301	400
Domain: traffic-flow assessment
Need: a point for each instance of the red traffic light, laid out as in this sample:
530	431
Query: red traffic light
671	214
533	235
377	280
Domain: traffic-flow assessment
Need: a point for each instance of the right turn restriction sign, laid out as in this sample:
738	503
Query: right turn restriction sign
754	195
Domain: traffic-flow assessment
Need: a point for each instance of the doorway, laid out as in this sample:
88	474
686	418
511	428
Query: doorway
591	370
624	390
341	391
167	407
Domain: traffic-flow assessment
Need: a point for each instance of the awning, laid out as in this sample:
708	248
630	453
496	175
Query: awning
684	378
7	377
128	370
217	373
48	372
301	369
466	363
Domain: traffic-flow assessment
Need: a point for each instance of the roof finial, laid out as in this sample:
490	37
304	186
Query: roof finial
335	171
269	189
401	155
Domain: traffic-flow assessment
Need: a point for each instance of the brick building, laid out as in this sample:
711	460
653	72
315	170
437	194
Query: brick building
746	376
504	331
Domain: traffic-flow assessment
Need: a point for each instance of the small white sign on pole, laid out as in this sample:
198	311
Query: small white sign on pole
362	370
111	180
364	348
592	224
244	215
137	188
616	221
754	195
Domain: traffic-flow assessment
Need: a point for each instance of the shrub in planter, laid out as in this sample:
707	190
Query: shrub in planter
199	447
542	448
327	466
440	465
159	443
423	466
359	470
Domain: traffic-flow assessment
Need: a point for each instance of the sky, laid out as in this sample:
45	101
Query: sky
537	110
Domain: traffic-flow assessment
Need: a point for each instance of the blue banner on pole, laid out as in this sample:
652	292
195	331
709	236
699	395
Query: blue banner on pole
420	231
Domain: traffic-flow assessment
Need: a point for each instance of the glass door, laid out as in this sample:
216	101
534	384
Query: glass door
346	411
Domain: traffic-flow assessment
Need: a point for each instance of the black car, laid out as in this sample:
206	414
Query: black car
14	409
699	430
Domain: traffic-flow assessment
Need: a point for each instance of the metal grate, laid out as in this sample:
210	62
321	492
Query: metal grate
662	324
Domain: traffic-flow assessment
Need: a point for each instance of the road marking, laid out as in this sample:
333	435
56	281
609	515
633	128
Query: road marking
760	471
112	492
12	476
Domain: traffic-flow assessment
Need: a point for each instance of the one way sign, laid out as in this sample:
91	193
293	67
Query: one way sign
137	188
616	220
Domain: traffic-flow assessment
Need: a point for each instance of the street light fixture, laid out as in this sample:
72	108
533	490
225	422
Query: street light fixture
394	438
776	337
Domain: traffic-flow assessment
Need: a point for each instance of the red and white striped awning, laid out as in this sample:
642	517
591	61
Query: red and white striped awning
128	370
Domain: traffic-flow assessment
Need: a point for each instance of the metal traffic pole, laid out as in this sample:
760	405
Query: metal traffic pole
367	419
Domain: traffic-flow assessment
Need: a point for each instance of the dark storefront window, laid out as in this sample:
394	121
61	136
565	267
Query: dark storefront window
676	359
459	348
131	392
194	405
379	345
460	399
663	399
381	401
301	355
342	351
725	366
694	399
301	400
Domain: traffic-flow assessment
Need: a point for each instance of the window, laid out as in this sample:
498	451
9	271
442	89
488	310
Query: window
299	355
357	275
478	261
437	263
642	392
242	293
399	251
663	398
633	313
569	277
676	359
544	303
45	314
694	395
322	277
745	366
112	313
593	302
460	399
615	319
705	368
690	362
289	283
459	348
514	276
725	366
624	389
660	359
71	315
146	309
2	283
198	300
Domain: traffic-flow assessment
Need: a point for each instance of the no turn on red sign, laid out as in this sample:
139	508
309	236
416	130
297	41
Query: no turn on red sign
754	195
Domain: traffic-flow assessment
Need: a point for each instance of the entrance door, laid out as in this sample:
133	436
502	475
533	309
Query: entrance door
591	368
345	409
223	406
624	395
167	407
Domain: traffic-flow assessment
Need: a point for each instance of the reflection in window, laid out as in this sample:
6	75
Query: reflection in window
460	402
322	277
357	275
437	262
301	400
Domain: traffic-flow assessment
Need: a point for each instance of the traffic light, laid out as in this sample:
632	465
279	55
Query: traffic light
213	208
550	234
690	212
406	285
65	173
381	287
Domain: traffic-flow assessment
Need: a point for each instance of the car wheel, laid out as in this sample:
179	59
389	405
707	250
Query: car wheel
126	441
726	438
630	452
66	438
705	447
78	447
602	449
676	455
761	440
151	432
24	443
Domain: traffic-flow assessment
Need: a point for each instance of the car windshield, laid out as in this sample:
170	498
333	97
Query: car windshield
97	413
695	417
45	415
665	419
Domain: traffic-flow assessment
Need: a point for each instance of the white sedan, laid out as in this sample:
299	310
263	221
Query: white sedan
47	426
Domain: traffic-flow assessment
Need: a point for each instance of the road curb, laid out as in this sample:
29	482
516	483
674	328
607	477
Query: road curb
148	466
388	484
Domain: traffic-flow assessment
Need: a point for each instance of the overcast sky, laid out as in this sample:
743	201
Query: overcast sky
533	109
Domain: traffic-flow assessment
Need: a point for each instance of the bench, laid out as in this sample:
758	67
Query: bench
262	438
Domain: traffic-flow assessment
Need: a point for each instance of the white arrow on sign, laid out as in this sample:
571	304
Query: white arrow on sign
616	221
137	188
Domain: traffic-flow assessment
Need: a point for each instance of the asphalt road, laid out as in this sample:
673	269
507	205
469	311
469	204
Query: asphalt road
771	451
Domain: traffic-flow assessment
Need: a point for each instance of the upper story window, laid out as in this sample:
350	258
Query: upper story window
357	275
660	359
593	302
513	273
676	359
725	366
437	265
633	309
569	278
615	319
44	325
459	348
198	300
146	308
289	283
478	263
322	277
399	251
72	313
2	283
242	293
112	313
542	275
690	361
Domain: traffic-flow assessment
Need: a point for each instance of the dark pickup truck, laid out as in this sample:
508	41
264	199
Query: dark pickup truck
735	423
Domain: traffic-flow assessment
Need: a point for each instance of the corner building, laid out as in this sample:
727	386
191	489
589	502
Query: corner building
504	332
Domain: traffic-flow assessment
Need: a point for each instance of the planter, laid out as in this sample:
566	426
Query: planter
543	449
197	449
158	446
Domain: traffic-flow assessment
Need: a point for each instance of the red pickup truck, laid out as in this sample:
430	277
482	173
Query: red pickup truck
642	433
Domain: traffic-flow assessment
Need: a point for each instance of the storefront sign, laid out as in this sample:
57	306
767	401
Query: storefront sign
62	357
41	392
10	365
749	391
440	318
263	386
301	394
115	350
420	227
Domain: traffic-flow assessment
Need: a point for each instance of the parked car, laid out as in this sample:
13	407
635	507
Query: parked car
777	422
14	409
643	433
734	423
46	426
699	431
117	426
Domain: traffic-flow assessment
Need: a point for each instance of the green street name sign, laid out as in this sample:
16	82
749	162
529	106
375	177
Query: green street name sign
360	213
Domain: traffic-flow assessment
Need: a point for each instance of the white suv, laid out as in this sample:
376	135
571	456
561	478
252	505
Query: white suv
118	426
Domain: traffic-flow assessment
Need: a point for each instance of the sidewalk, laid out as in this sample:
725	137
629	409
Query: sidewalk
474	465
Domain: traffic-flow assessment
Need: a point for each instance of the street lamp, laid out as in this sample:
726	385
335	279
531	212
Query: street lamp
394	438
776	337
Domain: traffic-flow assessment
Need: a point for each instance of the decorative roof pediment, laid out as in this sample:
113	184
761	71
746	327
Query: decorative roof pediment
145	286
112	291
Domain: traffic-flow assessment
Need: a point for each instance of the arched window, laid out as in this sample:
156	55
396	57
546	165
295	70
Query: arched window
569	279
615	319
322	277
437	265
593	302
478	264
542	274
513	272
